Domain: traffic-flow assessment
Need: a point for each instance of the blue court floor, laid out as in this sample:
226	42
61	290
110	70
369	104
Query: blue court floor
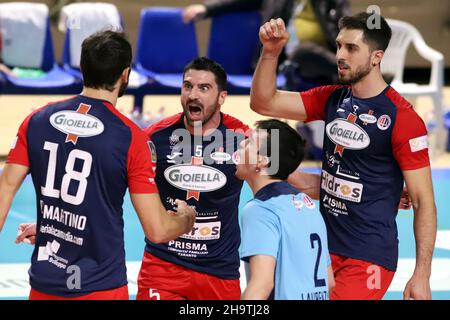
14	259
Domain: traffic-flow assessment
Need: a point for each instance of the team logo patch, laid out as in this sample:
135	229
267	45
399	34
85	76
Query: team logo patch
384	122
152	148
346	134
308	202
418	143
77	123
174	139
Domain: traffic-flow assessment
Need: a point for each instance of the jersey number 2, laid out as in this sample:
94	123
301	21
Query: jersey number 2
314	237
80	176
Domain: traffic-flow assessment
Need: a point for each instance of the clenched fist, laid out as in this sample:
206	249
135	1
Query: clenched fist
273	36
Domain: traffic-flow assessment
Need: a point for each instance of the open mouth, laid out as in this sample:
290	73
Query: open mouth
343	67
195	111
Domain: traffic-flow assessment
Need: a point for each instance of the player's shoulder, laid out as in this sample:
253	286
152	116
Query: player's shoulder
233	123
327	89
162	124
398	100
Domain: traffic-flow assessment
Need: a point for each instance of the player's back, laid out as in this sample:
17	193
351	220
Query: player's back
295	234
79	152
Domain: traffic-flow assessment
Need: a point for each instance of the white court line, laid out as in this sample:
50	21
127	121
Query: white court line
14	277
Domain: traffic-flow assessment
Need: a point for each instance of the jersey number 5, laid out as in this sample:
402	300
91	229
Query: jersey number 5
80	176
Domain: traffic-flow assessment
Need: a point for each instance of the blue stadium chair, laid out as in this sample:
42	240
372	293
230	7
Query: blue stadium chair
54	79
233	43
165	45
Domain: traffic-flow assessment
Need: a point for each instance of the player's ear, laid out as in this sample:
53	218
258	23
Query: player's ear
126	74
263	162
222	95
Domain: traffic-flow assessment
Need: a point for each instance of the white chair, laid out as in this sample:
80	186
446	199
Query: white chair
393	63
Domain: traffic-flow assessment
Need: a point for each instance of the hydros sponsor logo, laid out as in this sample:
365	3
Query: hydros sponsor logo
77	123
341	188
195	178
347	134
204	231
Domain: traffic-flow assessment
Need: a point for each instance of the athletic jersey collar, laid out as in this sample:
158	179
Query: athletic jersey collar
275	189
93	100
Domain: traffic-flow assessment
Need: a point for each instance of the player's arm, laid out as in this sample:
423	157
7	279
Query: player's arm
420	190
331	280
308	183
159	224
262	271
10	181
265	99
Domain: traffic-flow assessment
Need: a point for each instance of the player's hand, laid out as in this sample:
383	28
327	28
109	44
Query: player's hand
187	211
26	233
193	12
417	288
273	36
405	200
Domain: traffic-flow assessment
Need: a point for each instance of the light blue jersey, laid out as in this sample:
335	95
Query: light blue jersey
286	224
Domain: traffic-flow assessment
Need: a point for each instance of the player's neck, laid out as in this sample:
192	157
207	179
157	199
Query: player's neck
100	94
369	86
257	182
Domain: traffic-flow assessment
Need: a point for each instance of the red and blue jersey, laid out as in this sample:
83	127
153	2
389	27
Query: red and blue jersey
367	145
199	170
82	155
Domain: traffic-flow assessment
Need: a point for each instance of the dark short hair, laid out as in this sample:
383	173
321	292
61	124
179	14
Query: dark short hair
104	56
376	38
291	146
205	64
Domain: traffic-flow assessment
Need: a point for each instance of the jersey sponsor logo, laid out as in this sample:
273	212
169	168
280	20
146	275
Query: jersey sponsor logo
77	123
187	249
346	134
347	173
384	122
48	253
204	231
195	178
220	157
341	188
335	206
419	143
367	118
331	160
14	142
